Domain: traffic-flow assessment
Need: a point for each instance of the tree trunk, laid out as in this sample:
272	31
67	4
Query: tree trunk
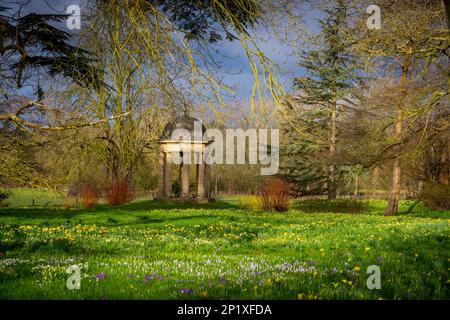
331	184
394	195
444	167
355	191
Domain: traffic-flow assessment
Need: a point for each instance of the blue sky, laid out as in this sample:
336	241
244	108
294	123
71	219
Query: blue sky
280	53
241	76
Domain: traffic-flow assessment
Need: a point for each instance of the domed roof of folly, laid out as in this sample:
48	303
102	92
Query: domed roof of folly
184	122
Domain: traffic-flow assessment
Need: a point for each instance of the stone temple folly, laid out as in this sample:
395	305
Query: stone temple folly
192	162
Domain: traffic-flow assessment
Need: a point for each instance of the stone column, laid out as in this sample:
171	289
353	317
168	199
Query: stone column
168	175
185	180
201	190
161	169
196	170
207	180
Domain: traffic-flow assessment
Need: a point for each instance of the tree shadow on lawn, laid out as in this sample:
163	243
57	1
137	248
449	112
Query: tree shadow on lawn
425	213
161	205
128	214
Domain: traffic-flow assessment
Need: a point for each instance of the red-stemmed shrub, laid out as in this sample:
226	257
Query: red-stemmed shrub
119	192
274	195
89	194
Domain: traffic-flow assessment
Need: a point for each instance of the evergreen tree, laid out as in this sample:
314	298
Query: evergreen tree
31	42
310	144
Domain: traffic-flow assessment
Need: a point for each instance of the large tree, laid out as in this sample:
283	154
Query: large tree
32	48
312	126
155	62
406	48
139	58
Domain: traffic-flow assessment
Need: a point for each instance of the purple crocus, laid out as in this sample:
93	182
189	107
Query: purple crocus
147	278
101	276
186	291
311	262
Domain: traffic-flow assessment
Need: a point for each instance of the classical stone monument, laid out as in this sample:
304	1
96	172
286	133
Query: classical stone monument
196	146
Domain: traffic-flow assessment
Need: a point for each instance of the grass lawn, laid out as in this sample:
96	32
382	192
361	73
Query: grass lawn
153	250
24	197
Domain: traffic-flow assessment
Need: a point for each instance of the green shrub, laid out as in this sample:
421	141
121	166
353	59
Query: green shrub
435	195
176	189
4	196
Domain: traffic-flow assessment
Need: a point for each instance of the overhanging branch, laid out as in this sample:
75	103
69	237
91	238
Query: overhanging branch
16	118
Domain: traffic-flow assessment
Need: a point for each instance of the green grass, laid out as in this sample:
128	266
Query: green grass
33	197
153	250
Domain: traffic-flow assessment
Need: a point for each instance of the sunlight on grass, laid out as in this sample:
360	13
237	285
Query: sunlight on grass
177	251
